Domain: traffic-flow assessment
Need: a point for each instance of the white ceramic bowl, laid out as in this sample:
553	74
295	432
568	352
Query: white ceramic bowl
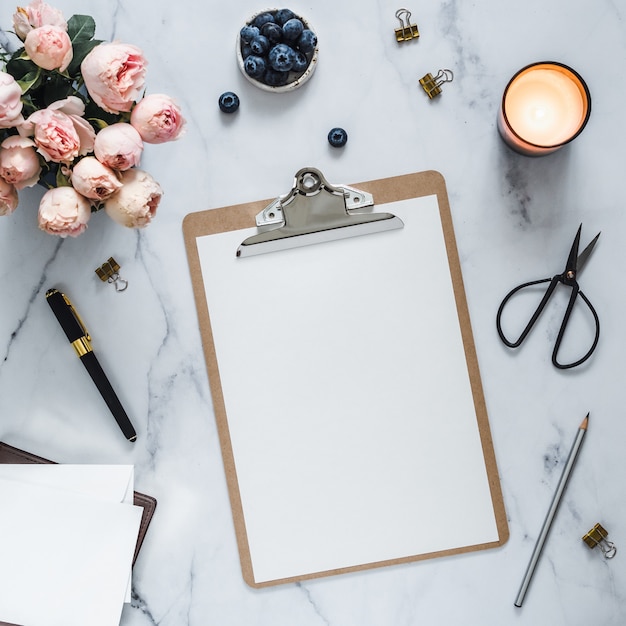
296	80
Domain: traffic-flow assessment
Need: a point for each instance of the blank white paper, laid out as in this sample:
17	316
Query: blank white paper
348	398
112	483
66	556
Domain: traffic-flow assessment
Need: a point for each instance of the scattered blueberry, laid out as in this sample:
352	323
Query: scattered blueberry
281	57
307	41
254	66
292	29
263	18
229	102
259	45
248	33
337	137
283	15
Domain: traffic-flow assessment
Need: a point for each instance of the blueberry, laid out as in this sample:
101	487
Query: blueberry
307	41
248	33
300	62
337	137
254	66
283	15
259	45
245	50
275	78
272	31
262	18
229	102
281	57
292	29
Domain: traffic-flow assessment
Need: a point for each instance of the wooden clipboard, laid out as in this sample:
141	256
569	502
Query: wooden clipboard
196	227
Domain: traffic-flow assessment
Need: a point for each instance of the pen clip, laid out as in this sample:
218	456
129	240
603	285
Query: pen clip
77	316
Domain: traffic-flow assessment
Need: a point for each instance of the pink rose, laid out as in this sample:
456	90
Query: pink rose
63	211
10	101
114	75
60	131
8	198
19	164
135	204
94	180
49	47
157	118
36	14
119	146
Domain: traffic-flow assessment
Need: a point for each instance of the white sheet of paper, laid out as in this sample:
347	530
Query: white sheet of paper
72	550
112	483
348	399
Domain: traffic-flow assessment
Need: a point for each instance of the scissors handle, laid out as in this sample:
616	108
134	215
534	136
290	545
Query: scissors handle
540	307
546	296
570	305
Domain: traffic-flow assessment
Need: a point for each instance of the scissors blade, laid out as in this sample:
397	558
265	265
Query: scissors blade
572	259
583	257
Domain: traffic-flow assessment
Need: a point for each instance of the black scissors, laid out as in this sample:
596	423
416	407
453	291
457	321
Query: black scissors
575	263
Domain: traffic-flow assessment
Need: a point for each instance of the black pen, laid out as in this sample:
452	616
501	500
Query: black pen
76	332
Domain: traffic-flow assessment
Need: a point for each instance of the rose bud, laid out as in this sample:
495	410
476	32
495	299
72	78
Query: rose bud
63	211
94	180
8	197
118	146
114	75
49	47
36	14
10	101
19	164
135	204
61	133
157	118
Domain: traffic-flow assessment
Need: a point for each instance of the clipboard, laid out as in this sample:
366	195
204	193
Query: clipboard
405	469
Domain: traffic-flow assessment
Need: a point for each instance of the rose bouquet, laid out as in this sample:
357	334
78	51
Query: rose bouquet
74	118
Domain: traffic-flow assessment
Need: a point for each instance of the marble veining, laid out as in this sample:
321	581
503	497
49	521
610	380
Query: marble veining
514	219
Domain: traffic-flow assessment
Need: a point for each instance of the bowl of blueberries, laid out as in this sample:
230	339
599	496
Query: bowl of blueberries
277	50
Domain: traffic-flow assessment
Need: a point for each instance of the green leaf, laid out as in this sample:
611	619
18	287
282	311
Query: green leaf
19	67
81	28
20	53
55	90
29	81
97	124
97	116
80	50
62	180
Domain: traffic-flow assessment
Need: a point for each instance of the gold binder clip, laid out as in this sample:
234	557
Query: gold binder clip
407	31
432	84
597	536
109	272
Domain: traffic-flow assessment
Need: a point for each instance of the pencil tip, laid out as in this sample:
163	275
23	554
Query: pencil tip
585	422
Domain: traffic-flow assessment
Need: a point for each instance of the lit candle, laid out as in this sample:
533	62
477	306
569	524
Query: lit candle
544	106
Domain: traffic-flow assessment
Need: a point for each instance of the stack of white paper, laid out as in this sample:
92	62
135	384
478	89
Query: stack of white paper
67	539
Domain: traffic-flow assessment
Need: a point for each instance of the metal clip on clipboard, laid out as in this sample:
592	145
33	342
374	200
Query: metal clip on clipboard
314	211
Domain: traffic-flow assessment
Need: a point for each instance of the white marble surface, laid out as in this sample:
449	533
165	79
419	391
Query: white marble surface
514	218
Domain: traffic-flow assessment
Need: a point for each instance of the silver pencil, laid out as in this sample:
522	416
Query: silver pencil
558	494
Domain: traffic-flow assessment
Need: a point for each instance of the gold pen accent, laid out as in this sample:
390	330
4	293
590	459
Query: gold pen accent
87	338
82	346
